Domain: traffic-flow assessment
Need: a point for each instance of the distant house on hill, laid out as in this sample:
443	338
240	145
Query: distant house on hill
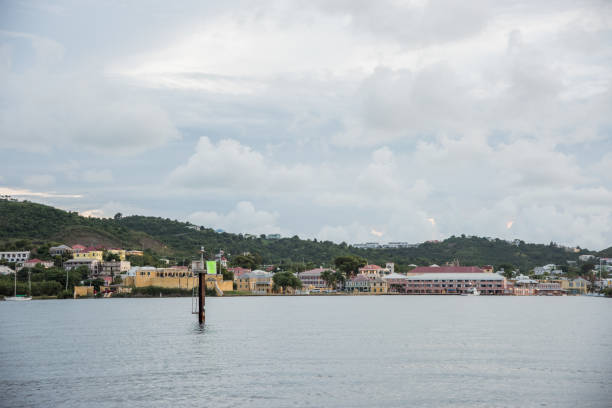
60	250
33	262
78	248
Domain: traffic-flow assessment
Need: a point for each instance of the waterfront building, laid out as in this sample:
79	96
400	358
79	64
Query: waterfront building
549	289
396	282
258	281
455	283
420	270
364	284
30	263
577	286
311	279
60	250
18	257
374	271
522	286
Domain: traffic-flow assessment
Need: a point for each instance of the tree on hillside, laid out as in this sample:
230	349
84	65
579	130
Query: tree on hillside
249	261
110	257
118	216
508	270
586	268
227	275
284	280
349	264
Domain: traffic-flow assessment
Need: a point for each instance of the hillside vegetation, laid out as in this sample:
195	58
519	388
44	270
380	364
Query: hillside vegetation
171	238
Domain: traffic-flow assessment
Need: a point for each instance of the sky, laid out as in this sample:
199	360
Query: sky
342	120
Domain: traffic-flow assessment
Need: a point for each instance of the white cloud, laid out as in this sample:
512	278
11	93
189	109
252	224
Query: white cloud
45	108
109	209
19	192
244	218
230	165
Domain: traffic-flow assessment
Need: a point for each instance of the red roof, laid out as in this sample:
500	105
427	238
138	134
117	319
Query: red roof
93	248
238	271
371	267
35	261
446	269
77	246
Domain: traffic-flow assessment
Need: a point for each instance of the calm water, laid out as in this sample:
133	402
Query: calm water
390	351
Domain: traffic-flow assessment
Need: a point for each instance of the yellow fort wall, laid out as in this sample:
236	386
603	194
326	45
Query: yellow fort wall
83	291
182	282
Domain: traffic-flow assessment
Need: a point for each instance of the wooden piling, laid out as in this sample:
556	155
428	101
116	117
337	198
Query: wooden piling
202	296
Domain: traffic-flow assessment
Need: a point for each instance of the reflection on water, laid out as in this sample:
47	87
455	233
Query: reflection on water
390	351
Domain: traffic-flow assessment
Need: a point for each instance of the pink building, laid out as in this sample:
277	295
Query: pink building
445	269
313	278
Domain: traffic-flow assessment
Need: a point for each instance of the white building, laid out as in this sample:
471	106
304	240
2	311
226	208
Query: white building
15	256
586	258
367	245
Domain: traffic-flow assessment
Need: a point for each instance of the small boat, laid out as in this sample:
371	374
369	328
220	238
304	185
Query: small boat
20	297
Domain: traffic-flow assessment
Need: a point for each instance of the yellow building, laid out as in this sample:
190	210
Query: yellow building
577	286
120	252
258	282
99	255
134	252
362	284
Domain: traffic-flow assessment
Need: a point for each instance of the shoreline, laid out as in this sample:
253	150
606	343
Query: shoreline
2	298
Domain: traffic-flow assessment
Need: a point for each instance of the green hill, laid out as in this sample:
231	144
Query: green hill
606	253
41	223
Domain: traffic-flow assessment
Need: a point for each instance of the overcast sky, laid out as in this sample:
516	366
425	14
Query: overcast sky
343	120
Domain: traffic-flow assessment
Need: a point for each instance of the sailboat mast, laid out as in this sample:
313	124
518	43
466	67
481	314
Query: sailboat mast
15	282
